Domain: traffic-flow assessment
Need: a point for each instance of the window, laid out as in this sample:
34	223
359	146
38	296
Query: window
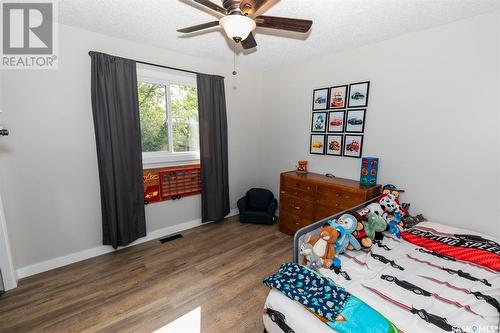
168	106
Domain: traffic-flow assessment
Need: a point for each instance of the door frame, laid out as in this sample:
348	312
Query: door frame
8	272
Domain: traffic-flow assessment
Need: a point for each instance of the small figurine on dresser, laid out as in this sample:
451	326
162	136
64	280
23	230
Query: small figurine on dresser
301	167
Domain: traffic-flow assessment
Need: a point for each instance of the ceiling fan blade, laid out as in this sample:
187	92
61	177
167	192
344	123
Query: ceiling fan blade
283	23
249	42
199	27
212	6
250	7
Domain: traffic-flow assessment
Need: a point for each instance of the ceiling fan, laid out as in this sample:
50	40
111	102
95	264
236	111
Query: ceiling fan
241	18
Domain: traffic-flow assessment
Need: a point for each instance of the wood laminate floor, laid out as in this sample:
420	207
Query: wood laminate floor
216	269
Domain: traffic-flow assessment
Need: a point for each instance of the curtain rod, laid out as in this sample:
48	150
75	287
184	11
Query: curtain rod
156	65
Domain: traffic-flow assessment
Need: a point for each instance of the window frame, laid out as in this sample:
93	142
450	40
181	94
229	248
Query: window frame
167	77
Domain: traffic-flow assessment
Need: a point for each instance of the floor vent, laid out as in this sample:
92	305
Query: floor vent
170	238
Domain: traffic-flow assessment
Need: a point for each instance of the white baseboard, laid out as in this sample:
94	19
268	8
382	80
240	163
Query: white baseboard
103	249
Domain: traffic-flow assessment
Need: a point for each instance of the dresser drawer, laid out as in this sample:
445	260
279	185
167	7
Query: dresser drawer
296	206
322	212
305	188
337	198
293	222
297	192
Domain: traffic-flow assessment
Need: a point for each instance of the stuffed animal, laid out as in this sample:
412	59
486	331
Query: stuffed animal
393	213
390	205
374	224
359	233
345	225
391	189
394	221
323	245
410	221
310	258
369	223
376	209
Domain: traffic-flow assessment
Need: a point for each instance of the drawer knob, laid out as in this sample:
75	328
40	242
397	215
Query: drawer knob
296	193
297	207
296	223
336	205
338	195
283	192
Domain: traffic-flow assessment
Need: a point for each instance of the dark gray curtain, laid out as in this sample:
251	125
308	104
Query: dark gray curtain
213	148
119	152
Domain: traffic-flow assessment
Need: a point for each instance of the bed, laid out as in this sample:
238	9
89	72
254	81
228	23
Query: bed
415	288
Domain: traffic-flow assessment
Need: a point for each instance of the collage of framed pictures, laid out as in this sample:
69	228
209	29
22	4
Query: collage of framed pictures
338	119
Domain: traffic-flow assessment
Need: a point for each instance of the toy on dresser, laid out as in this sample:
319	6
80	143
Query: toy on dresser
369	171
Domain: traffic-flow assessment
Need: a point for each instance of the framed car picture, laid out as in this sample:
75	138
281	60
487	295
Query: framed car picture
355	121
336	121
318	123
338	97
334	144
320	99
358	94
317	144
353	145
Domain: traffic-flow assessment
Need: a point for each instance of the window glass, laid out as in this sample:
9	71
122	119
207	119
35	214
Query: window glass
185	129
153	115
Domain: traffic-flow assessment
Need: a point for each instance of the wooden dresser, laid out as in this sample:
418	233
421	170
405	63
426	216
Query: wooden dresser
307	198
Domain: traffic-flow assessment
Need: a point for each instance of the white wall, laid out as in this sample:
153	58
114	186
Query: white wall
48	166
432	118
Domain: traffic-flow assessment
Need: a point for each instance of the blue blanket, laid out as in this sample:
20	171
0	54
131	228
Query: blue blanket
341	310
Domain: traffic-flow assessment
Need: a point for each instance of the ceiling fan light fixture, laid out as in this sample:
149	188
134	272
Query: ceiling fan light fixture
237	27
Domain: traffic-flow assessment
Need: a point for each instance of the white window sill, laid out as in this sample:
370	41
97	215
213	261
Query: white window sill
152	160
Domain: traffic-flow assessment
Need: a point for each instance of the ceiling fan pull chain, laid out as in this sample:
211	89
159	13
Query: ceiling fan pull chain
234	59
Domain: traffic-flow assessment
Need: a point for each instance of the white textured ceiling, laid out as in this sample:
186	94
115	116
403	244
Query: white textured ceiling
338	25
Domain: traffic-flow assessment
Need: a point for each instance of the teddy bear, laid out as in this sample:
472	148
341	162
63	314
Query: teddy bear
323	245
